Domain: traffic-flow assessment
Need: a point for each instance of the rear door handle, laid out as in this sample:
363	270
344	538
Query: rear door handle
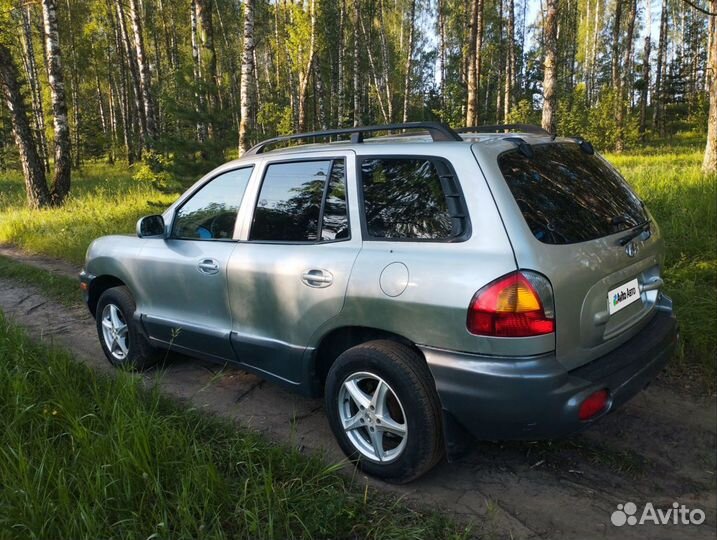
317	278
208	266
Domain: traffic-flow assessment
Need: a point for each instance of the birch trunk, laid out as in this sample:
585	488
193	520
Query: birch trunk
305	73
61	179
356	88
657	120
549	77
386	63
247	75
38	195
510	64
134	76
145	79
472	53
442	52
340	71
409	61
33	79
374	74
709	164
615	56
647	45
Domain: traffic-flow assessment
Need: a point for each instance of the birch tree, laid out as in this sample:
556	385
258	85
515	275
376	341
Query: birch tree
34	81
510	63
709	164
550	68
657	120
409	59
61	179
247	76
145	79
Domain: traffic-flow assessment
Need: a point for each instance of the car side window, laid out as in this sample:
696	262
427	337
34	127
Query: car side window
335	218
410	199
211	213
302	201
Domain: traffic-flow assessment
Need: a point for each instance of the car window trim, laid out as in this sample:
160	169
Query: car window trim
200	188
331	159
467	229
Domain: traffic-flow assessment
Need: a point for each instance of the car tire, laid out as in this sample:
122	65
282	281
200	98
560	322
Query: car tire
380	394
122	341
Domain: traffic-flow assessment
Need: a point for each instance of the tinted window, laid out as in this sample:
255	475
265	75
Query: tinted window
212	211
568	196
335	220
404	198
290	201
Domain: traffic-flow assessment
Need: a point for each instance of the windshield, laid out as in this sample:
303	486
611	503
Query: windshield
568	196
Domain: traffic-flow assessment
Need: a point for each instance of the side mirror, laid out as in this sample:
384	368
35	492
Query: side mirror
150	226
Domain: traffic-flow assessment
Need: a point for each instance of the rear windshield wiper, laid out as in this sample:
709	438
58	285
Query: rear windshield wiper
634	233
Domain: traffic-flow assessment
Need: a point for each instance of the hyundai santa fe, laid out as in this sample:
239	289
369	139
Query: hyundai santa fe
437	286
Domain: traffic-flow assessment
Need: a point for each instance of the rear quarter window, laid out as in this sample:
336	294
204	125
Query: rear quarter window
568	196
411	198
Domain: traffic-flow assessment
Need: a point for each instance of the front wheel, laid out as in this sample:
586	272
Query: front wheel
384	411
121	340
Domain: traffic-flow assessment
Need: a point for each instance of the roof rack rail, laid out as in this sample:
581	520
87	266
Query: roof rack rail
437	130
527	128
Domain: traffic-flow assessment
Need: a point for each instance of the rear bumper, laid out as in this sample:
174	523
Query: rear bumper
499	398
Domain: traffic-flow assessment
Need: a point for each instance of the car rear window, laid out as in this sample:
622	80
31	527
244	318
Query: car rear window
569	196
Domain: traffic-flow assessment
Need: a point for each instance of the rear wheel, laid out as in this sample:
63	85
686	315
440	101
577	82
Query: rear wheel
384	411
122	342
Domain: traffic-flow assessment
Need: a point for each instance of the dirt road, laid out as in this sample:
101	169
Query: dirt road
659	448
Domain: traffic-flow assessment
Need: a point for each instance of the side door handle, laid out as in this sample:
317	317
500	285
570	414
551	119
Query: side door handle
317	278
208	266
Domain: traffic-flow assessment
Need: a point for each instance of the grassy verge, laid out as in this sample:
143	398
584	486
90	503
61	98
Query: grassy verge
82	456
684	203
104	200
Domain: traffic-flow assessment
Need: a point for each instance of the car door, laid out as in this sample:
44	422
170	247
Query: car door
289	275
184	282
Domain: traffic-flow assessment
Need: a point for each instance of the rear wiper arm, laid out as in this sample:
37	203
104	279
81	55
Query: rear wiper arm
634	233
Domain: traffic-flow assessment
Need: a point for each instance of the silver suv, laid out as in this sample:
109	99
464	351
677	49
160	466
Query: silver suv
432	286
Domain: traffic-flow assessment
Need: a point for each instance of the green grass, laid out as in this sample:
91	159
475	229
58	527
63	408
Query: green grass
87	456
667	175
684	203
104	200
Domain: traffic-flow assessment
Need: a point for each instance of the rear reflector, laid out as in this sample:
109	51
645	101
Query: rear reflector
512	307
594	404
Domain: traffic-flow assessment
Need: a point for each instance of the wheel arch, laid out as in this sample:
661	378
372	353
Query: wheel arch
99	285
341	339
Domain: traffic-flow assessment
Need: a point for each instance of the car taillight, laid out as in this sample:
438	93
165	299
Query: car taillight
517	305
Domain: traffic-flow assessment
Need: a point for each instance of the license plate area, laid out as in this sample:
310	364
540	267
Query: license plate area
622	296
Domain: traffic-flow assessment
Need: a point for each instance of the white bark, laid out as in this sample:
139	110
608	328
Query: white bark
247	76
61	180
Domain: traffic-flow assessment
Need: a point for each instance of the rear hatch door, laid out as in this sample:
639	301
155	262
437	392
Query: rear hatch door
572	217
